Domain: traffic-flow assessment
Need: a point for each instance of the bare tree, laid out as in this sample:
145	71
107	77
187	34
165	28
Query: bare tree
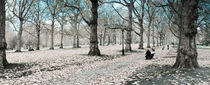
75	21
130	6
140	17
61	18
52	6
180	11
94	50
36	19
20	10
151	11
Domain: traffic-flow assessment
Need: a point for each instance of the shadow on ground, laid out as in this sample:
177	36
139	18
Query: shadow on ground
18	70
159	75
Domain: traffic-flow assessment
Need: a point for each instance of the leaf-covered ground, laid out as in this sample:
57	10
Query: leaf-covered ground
72	66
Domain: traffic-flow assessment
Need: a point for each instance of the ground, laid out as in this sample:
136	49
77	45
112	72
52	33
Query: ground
74	67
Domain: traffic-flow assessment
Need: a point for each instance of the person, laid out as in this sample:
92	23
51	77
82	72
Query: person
168	47
163	47
149	55
30	49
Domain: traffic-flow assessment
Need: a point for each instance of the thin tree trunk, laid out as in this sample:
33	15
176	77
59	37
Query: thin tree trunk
3	45
153	37
94	50
38	36
19	40
141	43
52	33
123	51
78	46
109	41
157	41
104	37
148	35
61	46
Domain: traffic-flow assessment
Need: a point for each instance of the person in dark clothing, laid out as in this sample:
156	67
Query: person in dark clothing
149	55
168	47
30	49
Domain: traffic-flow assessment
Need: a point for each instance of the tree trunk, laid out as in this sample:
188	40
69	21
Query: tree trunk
123	51
160	40
128	36
19	40
109	41
148	35
187	51
38	36
76	36
52	33
141	43
100	39
153	37
61	46
157	41
94	50
104	37
3	45
78	46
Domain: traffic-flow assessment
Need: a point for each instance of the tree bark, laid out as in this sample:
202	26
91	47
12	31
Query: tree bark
94	50
52	32
78	46
109	40
61	44
153	37
123	51
3	45
128	35
19	40
148	35
157	41
38	36
141	43
187	50
104	37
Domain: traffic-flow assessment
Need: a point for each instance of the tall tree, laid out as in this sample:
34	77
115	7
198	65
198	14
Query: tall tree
188	15
61	18
140	17
52	6
184	13
151	10
36	19
20	10
93	22
3	45
74	20
130	6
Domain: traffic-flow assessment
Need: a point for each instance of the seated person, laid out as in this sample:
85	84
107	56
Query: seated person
149	54
30	49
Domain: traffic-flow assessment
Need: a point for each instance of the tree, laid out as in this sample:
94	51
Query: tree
93	22
61	18
75	21
184	13
20	10
130	6
151	11
3	45
36	19
140	17
52	6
